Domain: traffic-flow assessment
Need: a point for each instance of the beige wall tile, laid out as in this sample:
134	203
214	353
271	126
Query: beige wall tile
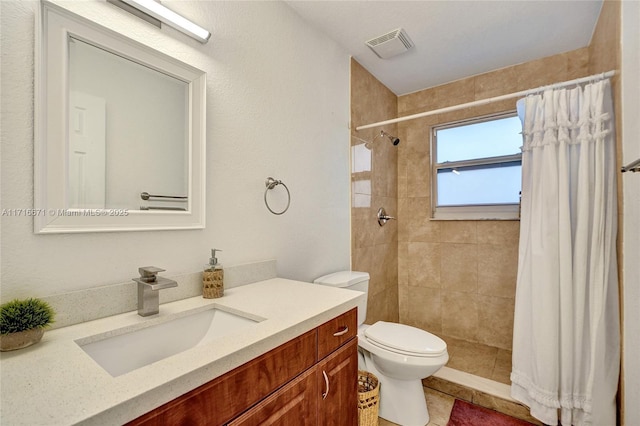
417	101
497	270
403	263
403	185
414	221
454	93
383	307
499	232
458	231
403	302
375	248
363	259
544	71
415	135
423	264
362	227
495	321
459	267
418	176
425	309
577	63
460	318
496	83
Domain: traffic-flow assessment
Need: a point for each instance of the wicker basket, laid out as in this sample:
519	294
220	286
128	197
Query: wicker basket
368	398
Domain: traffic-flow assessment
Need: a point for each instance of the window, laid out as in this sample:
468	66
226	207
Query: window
476	168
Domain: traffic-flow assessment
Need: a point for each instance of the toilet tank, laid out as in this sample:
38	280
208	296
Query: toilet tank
351	280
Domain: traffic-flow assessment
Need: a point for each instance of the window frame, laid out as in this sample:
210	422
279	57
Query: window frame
501	211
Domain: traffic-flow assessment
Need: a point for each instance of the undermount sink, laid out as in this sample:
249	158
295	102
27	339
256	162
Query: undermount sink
126	352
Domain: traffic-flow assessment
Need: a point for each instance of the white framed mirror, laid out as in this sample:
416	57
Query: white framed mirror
119	132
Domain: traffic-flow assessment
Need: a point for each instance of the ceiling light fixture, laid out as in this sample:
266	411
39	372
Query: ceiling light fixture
171	18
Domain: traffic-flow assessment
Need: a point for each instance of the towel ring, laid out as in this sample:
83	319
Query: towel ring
271	183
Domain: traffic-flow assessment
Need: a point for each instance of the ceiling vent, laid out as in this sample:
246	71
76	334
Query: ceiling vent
390	44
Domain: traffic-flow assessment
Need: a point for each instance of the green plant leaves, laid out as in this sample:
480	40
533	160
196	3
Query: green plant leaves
20	315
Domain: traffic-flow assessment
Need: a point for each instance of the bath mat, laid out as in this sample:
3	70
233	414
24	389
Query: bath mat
467	414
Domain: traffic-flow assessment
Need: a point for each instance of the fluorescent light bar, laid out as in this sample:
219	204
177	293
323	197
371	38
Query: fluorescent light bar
171	18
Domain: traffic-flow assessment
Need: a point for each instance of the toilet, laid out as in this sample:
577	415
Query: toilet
400	356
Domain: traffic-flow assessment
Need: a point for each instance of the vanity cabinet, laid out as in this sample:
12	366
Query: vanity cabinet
310	380
337	376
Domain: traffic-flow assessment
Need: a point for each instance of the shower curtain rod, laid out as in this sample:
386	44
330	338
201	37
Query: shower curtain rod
489	100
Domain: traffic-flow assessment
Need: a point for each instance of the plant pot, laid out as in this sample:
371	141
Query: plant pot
22	339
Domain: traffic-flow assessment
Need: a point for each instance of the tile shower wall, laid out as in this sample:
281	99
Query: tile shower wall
374	185
457	278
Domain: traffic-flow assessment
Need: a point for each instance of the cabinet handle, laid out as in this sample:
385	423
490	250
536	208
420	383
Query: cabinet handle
326	384
342	332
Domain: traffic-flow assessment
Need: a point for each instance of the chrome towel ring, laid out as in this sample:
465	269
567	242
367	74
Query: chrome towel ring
271	183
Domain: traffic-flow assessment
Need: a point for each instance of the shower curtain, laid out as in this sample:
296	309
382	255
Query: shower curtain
566	328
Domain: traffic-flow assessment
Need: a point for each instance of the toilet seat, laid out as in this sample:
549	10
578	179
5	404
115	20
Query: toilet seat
404	339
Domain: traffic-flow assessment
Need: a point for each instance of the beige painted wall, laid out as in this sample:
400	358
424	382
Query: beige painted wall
374	184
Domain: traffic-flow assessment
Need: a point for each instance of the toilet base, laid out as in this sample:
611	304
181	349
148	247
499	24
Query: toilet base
401	401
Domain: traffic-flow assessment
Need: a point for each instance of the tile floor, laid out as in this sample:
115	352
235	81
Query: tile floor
481	360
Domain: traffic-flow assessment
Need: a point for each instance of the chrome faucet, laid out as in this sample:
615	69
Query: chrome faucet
149	284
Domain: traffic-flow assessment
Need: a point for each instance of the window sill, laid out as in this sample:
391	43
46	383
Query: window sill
494	212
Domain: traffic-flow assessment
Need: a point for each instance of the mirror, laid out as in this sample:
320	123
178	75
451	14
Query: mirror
120	132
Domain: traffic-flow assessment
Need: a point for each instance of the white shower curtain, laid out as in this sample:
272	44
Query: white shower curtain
566	351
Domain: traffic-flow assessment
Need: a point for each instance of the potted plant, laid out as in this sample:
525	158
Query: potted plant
22	323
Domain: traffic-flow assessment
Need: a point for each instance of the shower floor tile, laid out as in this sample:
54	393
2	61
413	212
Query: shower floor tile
482	360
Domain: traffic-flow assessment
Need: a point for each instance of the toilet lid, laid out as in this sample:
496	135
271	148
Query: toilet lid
405	339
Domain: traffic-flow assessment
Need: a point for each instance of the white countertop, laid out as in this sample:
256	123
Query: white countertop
56	383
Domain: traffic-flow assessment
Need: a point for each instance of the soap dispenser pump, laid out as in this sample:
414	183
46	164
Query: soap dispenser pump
213	278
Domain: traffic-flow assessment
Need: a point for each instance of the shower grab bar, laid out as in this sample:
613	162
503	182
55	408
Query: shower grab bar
634	166
146	196
182	209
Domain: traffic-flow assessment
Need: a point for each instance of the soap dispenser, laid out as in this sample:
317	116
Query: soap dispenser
213	278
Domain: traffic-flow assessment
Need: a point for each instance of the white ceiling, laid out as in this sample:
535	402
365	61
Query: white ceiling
453	39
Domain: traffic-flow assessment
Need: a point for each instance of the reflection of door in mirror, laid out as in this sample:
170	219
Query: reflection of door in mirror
86	151
145	126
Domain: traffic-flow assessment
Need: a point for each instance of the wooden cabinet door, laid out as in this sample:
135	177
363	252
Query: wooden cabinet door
337	378
295	404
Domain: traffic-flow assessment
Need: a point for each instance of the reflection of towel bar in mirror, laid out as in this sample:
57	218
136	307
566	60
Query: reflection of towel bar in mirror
182	209
147	196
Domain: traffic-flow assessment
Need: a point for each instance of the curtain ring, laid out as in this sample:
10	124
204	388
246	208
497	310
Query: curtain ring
271	183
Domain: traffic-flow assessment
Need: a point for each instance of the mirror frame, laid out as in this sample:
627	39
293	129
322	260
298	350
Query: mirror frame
54	26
